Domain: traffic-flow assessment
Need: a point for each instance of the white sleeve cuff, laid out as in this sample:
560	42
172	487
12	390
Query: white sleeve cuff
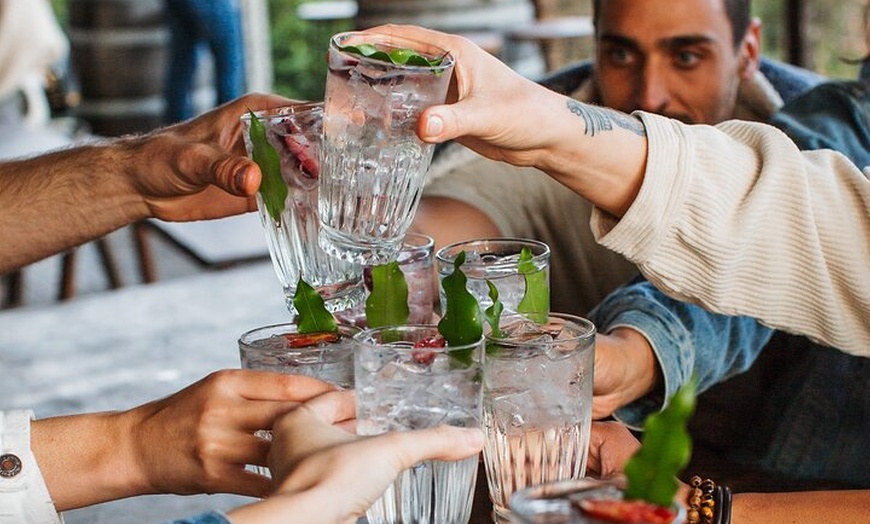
24	497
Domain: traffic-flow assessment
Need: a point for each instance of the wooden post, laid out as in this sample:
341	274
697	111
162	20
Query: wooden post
258	49
796	18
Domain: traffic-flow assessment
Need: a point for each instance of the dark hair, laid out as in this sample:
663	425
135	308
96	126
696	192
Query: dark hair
737	11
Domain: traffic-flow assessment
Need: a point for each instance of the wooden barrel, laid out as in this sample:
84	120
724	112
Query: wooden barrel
119	53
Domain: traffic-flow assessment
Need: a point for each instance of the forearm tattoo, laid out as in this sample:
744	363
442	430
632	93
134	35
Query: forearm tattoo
600	119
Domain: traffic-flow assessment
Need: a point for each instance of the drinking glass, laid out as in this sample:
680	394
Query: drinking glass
401	387
294	132
496	260
373	164
268	348
559	502
537	410
416	260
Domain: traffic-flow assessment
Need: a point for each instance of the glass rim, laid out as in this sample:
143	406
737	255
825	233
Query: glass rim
447	61
443	257
586	326
242	338
358	338
298	108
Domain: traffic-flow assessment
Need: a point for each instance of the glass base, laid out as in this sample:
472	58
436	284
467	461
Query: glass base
345	297
362	252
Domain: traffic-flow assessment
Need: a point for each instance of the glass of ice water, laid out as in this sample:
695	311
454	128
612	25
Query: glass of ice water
374	165
416	260
537	404
405	382
497	260
295	134
281	349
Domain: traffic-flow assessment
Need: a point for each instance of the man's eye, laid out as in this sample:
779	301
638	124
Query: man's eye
620	56
687	59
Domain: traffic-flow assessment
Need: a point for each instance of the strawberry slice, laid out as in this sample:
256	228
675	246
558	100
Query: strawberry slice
421	356
627	511
303	340
308	163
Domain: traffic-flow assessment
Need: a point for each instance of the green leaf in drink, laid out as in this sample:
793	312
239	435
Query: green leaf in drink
272	186
387	305
312	316
536	299
461	324
395	56
493	312
652	471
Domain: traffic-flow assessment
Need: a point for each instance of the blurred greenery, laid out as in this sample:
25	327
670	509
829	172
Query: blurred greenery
299	50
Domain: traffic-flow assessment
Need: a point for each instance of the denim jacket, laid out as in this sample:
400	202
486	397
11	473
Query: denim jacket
211	517
818	407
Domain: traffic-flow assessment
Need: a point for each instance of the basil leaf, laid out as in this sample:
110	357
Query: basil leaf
312	316
272	186
493	312
387	305
652	471
396	56
536	298
461	322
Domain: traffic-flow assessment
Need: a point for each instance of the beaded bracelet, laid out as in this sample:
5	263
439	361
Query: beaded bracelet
703	500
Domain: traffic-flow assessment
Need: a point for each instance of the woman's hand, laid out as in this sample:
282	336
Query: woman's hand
323	473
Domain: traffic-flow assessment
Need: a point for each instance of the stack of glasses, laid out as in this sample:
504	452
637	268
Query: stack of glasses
341	183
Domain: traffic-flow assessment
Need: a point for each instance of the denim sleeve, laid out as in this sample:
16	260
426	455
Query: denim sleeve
211	517
685	338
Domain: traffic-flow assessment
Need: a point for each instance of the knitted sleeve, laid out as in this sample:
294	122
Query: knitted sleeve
737	219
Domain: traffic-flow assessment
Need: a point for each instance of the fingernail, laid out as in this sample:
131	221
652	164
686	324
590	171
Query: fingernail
473	436
239	180
434	126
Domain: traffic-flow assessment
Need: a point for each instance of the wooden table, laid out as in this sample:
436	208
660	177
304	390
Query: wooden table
122	348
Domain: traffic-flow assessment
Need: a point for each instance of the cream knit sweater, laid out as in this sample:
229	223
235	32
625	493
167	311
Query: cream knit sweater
737	219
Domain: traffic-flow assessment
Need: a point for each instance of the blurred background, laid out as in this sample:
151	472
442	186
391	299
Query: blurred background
112	83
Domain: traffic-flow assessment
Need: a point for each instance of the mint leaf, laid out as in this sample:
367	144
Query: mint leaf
272	186
493	312
652	471
536	298
461	324
312	316
396	56
387	305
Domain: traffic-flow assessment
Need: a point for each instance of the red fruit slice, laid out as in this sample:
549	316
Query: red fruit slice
303	340
308	163
421	356
627	511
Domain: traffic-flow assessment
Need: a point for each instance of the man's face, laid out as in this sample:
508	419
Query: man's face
672	57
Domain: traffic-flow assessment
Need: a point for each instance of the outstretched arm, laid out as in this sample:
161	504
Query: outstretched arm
611	445
706	213
195	441
189	171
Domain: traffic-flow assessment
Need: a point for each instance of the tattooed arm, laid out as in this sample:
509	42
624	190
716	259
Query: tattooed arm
598	153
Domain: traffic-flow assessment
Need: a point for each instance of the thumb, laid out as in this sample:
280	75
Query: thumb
235	174
445	122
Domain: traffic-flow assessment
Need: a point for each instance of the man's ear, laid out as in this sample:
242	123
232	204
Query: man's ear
750	49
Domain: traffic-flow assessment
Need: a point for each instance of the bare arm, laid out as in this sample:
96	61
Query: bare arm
448	221
195	441
611	445
190	171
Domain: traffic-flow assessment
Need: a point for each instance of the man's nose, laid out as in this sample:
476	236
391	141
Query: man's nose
653	95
